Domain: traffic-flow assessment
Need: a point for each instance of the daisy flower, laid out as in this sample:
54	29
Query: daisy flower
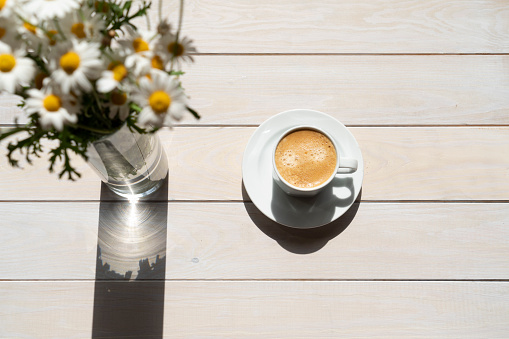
162	99
112	77
39	35
173	50
83	24
15	69
138	49
32	33
49	9
53	107
118	105
75	65
164	27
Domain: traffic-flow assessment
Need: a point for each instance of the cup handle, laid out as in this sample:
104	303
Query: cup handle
347	165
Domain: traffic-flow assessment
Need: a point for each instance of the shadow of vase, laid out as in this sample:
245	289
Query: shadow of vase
131	266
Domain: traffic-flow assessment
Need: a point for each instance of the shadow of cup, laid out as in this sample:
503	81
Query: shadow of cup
305	241
291	211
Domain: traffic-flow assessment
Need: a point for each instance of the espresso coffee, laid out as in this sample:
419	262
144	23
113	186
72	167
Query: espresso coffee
305	158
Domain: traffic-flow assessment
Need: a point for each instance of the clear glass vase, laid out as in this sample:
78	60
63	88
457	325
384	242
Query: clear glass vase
132	165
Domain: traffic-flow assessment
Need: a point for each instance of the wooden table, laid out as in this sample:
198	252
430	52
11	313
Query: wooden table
423	252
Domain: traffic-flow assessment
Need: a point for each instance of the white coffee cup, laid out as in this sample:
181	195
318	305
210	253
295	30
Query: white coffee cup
343	165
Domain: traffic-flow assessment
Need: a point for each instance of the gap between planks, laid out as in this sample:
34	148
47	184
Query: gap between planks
346	125
250	202
266	280
348	54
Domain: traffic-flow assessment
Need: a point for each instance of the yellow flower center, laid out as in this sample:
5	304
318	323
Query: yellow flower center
70	62
140	45
119	72
118	98
159	101
157	62
2	4
176	49
29	27
2	32
78	29
52	103
51	35
7	62
39	78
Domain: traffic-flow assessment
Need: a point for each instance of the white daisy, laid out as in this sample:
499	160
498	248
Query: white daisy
118	105
83	24
162	100
39	35
138	48
53	107
112	77
49	9
31	33
75	65
173	51
15	69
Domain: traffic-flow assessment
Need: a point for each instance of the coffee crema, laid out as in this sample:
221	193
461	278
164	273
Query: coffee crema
305	158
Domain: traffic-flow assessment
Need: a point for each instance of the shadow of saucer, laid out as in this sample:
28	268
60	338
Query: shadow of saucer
302	241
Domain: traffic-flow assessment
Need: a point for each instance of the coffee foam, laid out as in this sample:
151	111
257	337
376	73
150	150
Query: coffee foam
305	158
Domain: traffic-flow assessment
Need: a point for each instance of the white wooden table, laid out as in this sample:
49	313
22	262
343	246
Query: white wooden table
424	252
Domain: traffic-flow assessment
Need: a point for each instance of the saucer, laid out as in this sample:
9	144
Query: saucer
309	212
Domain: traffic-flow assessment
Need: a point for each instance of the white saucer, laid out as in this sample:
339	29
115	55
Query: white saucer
316	211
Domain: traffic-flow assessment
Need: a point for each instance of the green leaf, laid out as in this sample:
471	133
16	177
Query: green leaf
193	112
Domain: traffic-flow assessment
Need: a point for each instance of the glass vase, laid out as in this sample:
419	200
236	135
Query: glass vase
131	164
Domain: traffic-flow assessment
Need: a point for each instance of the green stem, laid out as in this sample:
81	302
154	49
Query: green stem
147	18
59	29
181	15
179	28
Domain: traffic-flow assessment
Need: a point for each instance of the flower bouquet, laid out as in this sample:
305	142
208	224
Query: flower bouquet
84	70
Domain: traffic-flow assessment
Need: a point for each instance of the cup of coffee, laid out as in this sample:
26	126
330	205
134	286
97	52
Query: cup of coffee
306	159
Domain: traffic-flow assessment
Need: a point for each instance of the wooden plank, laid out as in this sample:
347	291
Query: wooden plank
372	241
357	90
328	26
428	163
9	111
277	309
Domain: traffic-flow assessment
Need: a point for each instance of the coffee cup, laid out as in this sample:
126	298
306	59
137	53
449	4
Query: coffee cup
306	159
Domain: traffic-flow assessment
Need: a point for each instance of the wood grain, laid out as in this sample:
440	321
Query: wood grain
428	163
328	26
235	241
247	309
357	90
